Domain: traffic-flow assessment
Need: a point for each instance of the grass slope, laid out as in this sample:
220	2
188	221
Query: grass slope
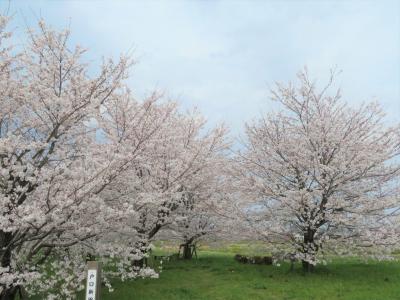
216	276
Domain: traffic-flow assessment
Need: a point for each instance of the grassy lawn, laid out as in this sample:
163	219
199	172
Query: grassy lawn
215	275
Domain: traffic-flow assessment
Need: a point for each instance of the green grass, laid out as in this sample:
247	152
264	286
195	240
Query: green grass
215	275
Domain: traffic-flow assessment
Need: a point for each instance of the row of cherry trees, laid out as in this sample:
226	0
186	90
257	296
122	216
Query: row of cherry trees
316	178
87	169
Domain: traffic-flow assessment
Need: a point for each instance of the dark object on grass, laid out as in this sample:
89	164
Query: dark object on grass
268	260
257	260
242	259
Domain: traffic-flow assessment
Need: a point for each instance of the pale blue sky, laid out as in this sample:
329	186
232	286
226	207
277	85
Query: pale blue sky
223	56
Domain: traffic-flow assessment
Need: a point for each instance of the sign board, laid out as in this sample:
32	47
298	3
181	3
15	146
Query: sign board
93	282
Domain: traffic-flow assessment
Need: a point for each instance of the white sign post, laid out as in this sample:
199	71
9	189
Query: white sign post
93	281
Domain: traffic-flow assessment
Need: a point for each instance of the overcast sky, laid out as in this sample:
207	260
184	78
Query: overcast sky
222	56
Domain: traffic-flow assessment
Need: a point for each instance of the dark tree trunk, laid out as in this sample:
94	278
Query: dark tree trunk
187	251
9	294
138	263
142	250
309	249
5	239
141	263
307	267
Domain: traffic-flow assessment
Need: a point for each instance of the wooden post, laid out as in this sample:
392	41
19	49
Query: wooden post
93	281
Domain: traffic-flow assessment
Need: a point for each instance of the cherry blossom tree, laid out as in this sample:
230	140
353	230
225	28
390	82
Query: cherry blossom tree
194	221
198	216
65	137
320	175
182	160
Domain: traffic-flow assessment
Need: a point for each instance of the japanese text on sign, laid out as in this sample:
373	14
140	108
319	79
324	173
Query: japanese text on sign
91	285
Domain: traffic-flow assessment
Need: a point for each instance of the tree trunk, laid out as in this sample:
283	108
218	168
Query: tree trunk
141	263
142	250
138	263
309	249
307	267
9	294
187	251
5	238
